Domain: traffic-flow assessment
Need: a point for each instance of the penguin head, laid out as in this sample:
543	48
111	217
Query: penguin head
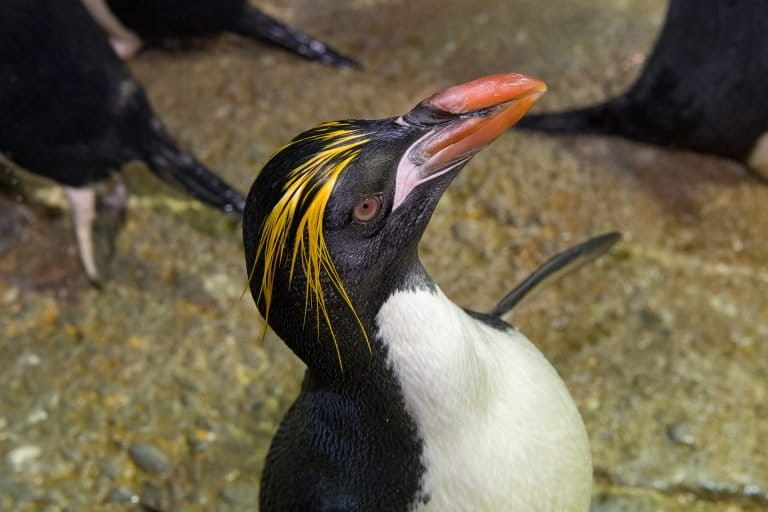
332	223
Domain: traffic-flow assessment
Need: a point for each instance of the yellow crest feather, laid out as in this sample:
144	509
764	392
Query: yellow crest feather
306	193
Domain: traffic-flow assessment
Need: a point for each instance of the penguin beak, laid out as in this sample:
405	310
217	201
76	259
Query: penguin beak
460	121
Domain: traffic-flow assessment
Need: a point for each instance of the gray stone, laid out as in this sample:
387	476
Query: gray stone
149	458
155	498
112	467
121	495
241	493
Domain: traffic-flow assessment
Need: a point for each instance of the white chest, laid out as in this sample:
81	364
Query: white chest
500	430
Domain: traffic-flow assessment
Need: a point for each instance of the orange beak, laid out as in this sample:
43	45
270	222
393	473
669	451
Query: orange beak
461	120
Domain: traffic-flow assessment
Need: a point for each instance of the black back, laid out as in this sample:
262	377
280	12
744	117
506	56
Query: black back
158	21
66	100
702	88
71	110
155	20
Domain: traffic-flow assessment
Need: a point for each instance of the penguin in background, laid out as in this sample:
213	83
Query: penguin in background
409	402
129	23
703	87
71	112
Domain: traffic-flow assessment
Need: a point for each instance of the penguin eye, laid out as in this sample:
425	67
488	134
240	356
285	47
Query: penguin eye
367	209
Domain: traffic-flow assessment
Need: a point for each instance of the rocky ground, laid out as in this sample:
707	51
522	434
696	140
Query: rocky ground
157	391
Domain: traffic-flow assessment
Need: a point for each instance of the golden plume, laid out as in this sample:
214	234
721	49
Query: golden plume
306	192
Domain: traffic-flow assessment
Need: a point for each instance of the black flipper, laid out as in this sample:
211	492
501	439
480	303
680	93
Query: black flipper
702	87
171	164
557	266
255	24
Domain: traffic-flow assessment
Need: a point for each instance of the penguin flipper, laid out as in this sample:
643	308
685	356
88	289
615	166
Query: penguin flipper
255	24
180	169
557	266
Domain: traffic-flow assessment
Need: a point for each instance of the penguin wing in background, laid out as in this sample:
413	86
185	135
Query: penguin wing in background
555	267
255	24
184	171
157	20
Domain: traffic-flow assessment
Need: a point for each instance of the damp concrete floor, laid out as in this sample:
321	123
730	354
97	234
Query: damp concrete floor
157	392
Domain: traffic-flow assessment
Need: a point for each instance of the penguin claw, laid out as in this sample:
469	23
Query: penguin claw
123	41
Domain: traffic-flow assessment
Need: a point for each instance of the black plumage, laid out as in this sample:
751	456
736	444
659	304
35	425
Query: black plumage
702	87
331	230
72	112
158	20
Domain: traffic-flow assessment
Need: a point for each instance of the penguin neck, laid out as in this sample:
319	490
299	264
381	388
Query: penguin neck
436	349
338	344
369	373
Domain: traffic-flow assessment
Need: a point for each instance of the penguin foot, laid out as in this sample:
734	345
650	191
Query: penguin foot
83	202
111	208
115	203
125	48
124	42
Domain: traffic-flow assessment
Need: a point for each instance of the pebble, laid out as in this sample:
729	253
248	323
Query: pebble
241	493
37	416
30	359
679	434
20	457
190	401
53	497
10	296
200	439
149	459
112	468
155	498
121	495
190	380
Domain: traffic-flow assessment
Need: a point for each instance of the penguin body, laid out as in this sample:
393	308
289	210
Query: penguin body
73	113
409	402
702	87
497	424
128	22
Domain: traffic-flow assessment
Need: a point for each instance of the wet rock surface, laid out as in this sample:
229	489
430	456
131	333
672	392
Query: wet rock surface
662	342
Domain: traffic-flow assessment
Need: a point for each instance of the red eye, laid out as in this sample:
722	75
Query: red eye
367	209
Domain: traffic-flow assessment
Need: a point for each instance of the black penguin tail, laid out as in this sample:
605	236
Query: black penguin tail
557	266
255	24
184	171
599	119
